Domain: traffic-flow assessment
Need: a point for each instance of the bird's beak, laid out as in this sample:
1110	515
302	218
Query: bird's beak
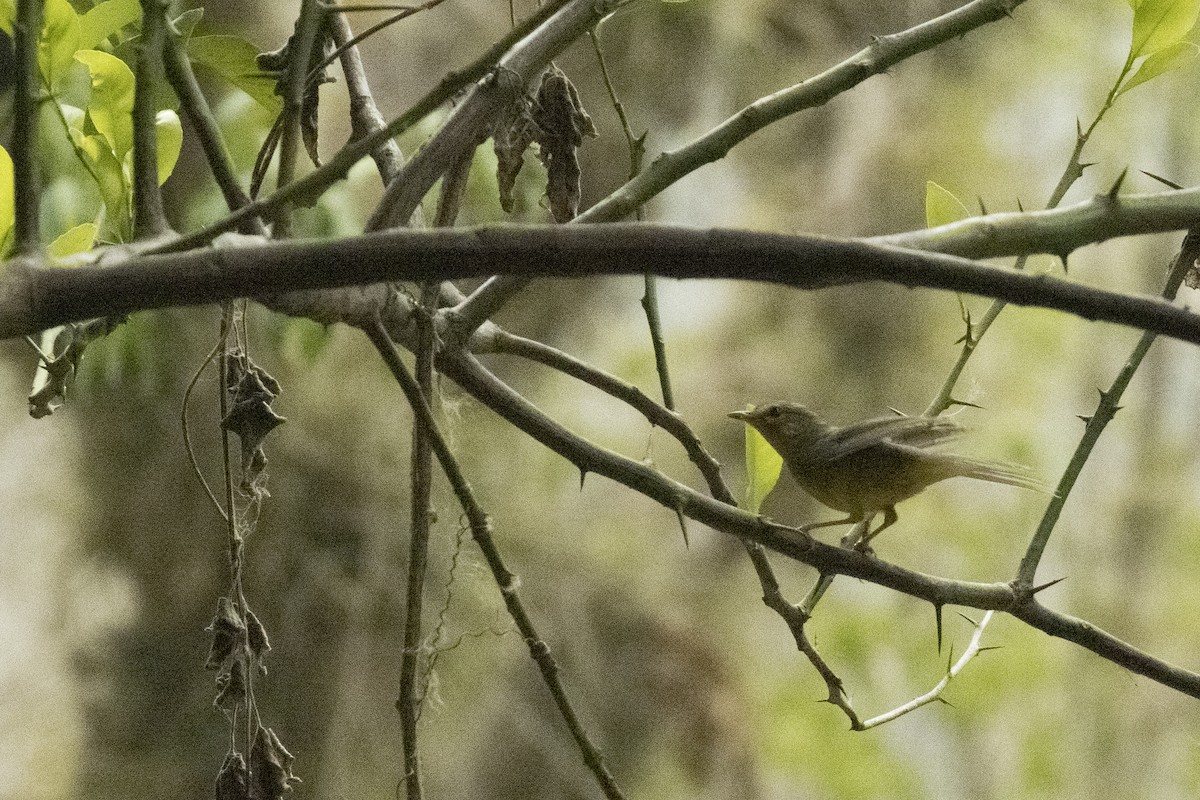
742	415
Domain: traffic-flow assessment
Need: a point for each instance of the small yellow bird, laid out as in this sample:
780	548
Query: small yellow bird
869	467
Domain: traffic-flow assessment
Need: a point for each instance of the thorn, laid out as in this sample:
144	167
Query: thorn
944	701
985	648
937	615
582	475
950	659
955	402
897	412
982	208
1161	179
1046	585
1116	187
1087	418
1078	130
974	622
683	526
1020	207
1064	257
1085	164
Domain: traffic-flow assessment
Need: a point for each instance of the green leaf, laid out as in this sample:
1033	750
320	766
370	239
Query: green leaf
8	13
8	205
233	58
77	240
1175	57
59	41
111	109
169	135
110	179
1159	24
942	207
763	466
105	19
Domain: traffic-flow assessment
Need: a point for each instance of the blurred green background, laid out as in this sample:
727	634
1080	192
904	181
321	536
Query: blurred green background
112	559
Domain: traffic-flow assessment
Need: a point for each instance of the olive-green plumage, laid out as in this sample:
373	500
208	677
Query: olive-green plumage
869	467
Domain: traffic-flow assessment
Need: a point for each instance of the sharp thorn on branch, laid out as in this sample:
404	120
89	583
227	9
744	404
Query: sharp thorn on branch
1166	182
1046	585
1116	187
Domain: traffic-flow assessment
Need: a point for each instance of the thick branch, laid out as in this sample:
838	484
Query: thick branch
27	29
1058	231
42	298
828	559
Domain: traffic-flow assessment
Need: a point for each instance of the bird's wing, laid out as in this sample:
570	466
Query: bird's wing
918	432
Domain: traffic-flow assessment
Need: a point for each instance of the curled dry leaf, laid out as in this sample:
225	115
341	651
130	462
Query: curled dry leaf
270	766
232	685
256	636
232	780
561	125
226	628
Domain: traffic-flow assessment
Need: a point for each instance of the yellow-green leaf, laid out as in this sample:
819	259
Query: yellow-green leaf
1158	24
8	13
763	466
942	207
59	40
8	206
105	19
77	240
111	108
1167	60
114	190
169	135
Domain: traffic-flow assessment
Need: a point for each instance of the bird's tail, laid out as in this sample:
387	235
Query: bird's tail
999	472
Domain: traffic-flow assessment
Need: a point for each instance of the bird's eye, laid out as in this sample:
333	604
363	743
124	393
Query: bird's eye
773	411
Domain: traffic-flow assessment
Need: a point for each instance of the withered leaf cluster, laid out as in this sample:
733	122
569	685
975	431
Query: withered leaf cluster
555	119
266	777
251	417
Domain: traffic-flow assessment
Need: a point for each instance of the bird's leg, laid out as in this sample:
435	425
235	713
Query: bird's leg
831	523
889	518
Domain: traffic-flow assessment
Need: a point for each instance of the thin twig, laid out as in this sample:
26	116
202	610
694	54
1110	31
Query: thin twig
883	53
481	530
973	649
1095	424
208	132
187	439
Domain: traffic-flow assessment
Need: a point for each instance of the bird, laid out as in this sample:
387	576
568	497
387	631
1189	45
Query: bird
869	467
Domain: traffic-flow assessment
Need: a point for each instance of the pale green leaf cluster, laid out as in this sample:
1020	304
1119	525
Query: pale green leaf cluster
92	90
1158	39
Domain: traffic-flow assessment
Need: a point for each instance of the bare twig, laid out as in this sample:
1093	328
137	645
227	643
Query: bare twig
974	647
481	530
